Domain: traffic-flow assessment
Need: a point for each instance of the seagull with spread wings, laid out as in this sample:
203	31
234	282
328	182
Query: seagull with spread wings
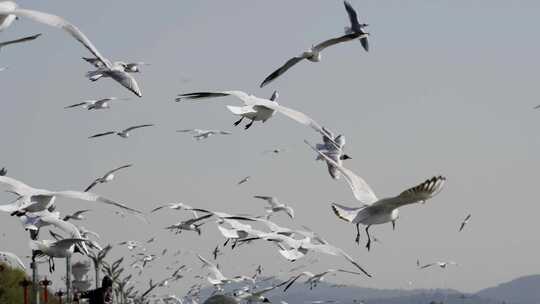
441	264
36	200
199	134
96	104
189	225
276	206
314	279
76	216
218	279
329	148
377	211
9	11
107	177
124	133
356	26
55	249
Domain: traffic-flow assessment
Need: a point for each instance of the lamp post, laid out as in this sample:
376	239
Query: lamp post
24	284
45	283
59	294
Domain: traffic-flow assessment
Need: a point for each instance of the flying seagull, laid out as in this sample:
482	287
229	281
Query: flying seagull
176	206
442	265
107	177
35	200
199	134
131	67
334	152
379	211
96	104
9	11
256	109
465	221
124	133
20	40
76	216
55	249
189	225
315	279
356	26
244	180
276	206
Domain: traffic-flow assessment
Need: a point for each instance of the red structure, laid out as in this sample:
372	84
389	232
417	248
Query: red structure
45	283
24	284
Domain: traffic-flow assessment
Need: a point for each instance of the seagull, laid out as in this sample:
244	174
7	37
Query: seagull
176	206
3	171
35	200
199	134
333	152
244	180
442	265
315	279
9	11
256	109
132	67
11	259
356	26
20	40
276	206
96	104
130	244
54	249
33	222
107	177
313	55
219	279
465	221
379	211
124	133
189	224
76	216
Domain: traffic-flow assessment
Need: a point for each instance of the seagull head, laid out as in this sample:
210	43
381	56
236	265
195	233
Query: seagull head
345	156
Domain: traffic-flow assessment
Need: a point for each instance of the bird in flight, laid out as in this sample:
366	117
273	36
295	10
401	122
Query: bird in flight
124	133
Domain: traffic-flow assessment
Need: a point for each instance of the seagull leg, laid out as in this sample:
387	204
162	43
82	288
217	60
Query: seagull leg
236	123
368	245
357	234
249	125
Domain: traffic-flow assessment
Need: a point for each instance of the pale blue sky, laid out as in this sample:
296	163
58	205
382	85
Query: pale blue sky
447	88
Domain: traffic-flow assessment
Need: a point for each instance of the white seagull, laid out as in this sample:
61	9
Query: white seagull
218	278
379	211
465	222
276	206
315	279
176	206
11	259
131	67
96	104
9	11
76	216
124	133
189	225
334	152
442	265
107	177
35	200
20	40
356	26
244	180
199	134
257	109
54	249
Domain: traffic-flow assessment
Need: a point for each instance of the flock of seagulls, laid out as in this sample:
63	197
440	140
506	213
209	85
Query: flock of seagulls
36	208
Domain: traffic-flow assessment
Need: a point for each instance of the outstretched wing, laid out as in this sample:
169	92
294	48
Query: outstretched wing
92	185
56	21
284	68
29	38
353	18
126	80
361	190
91	197
348	37
16	186
420	193
118	169
102	134
138	127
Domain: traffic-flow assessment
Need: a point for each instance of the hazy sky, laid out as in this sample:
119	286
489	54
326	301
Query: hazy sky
447	88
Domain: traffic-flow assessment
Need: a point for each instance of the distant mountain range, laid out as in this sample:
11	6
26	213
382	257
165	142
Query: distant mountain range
523	290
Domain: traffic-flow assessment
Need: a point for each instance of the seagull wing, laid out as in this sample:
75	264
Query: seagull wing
16	186
126	80
92	185
361	190
64	244
420	193
348	37
137	127
427	265
213	268
292	280
284	68
365	43
102	134
29	38
194	220
75	105
118	169
91	197
59	22
81	212
353	18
